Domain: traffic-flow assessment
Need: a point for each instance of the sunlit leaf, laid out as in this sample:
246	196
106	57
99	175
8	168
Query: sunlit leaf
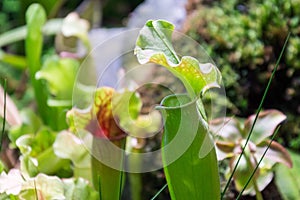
34	144
77	150
154	45
266	123
227	129
11	183
276	153
155	37
48	187
37	152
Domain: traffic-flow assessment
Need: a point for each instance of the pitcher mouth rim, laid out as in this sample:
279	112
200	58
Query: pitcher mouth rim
161	106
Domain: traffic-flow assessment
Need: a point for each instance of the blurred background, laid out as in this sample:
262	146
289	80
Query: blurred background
244	38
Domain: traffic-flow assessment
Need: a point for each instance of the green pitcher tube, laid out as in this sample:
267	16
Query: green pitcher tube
189	175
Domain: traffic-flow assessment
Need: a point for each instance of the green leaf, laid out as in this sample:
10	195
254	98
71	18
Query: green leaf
77	189
34	144
154	45
4	196
35	19
287	180
31	124
37	152
156	37
60	74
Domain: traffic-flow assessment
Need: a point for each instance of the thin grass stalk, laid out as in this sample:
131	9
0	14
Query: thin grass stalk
257	113
4	113
158	193
262	157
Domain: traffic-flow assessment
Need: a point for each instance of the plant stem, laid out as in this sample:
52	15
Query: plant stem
107	179
262	157
257	192
51	27
135	179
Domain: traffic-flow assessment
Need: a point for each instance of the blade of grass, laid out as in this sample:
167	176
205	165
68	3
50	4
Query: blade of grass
122	173
35	191
257	113
158	193
262	157
4	113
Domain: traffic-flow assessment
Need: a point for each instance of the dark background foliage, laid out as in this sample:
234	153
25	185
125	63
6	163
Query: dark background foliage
245	39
